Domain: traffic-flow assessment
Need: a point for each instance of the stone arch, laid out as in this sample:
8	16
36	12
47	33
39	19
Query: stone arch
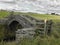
24	22
17	21
13	22
13	27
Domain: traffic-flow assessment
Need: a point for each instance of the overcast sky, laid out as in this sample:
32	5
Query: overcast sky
39	6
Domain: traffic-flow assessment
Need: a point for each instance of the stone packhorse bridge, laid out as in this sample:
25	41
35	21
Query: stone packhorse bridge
14	23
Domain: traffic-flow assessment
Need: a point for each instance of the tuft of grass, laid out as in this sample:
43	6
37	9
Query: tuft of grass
40	41
8	43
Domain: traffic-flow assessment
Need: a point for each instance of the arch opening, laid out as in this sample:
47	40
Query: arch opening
13	27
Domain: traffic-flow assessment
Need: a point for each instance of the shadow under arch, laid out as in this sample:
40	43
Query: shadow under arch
14	25
12	28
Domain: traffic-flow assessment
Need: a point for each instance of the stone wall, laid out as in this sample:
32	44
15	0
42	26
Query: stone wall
25	33
26	22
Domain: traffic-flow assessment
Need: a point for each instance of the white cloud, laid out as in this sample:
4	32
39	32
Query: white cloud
42	6
6	0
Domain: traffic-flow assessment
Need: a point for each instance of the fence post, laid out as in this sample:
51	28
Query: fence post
45	25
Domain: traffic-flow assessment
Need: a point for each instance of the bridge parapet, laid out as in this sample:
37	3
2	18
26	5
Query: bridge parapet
25	33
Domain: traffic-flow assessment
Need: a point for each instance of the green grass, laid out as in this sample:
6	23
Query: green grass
37	16
54	39
8	43
55	18
3	14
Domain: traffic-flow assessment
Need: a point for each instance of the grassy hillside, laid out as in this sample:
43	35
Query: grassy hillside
54	39
38	16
